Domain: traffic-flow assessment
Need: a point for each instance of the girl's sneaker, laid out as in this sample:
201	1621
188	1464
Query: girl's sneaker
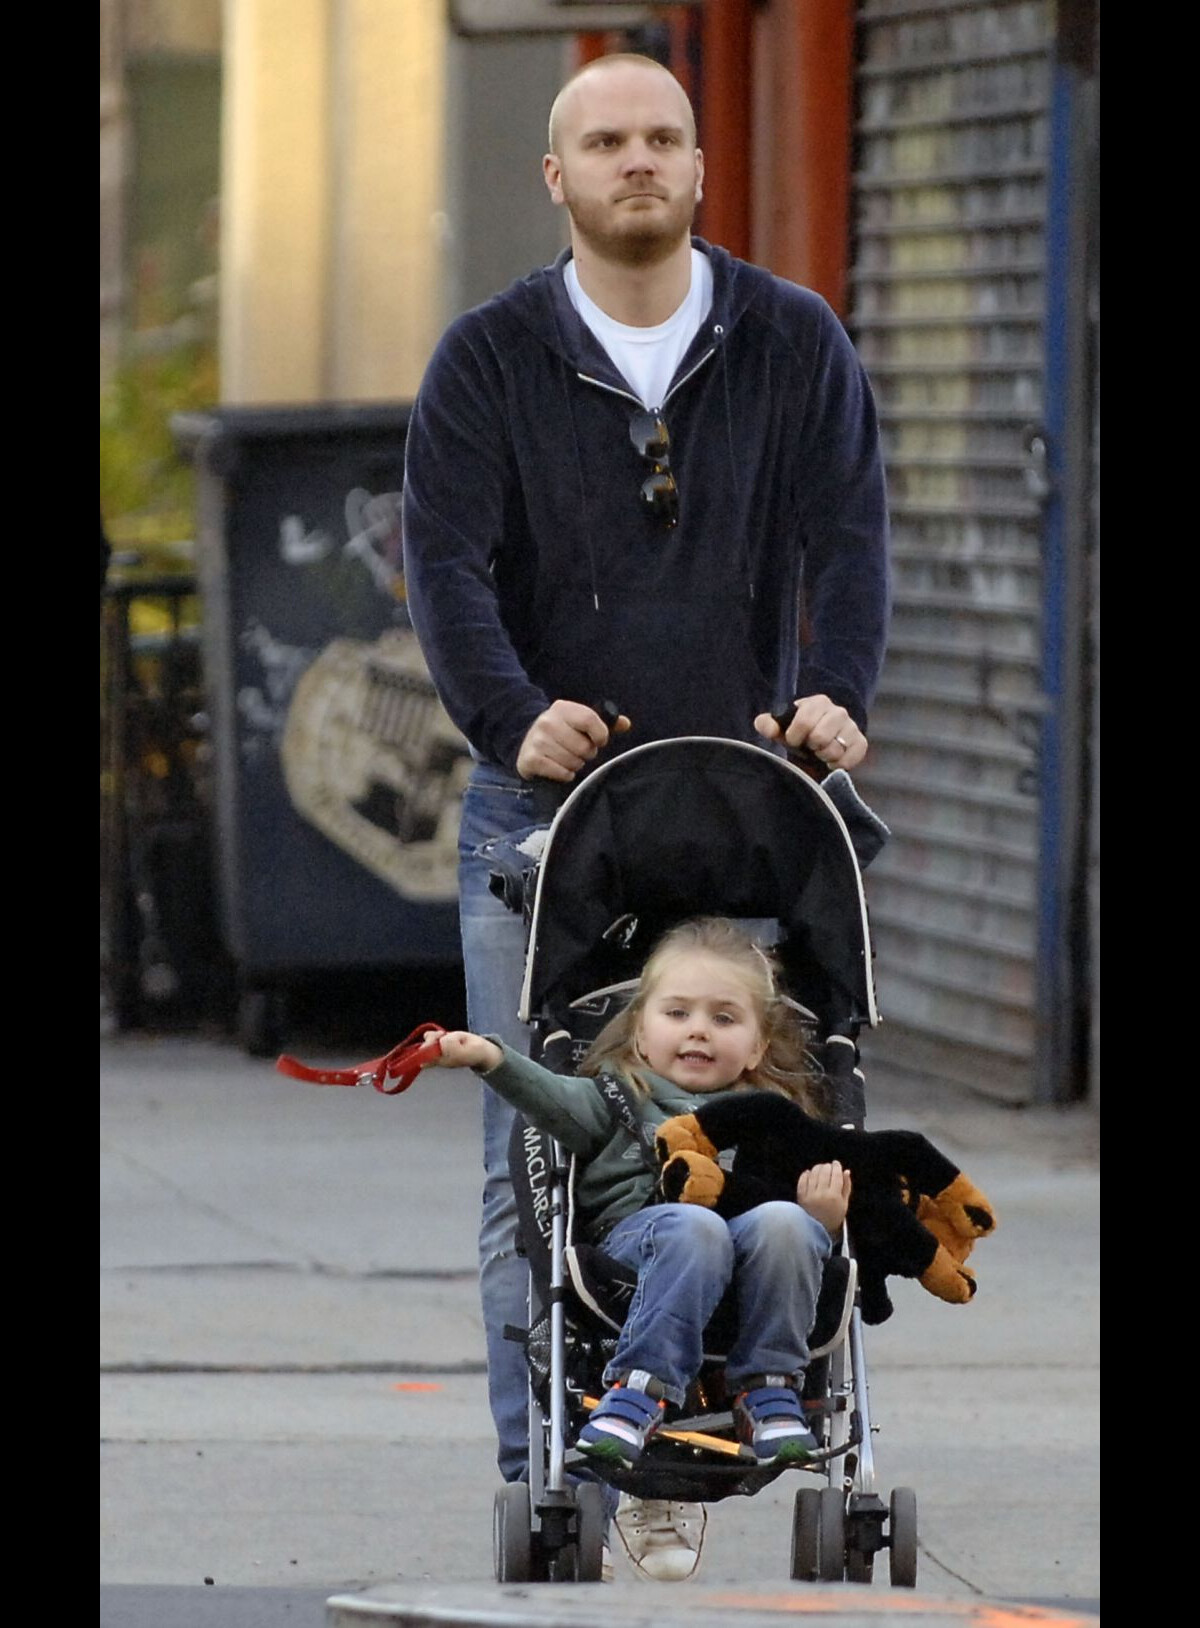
620	1425
771	1421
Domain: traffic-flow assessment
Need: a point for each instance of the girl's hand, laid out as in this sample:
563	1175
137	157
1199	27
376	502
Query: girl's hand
824	1191
463	1050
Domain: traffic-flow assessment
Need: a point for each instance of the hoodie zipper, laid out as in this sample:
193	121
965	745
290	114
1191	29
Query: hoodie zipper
615	390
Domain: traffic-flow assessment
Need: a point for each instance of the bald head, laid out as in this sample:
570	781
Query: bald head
625	165
562	113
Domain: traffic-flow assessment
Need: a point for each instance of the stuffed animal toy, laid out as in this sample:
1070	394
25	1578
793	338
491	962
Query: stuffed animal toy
912	1212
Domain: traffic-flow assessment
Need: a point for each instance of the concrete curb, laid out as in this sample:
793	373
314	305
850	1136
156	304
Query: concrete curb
594	1605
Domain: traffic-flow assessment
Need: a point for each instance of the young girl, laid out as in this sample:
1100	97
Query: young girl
706	1017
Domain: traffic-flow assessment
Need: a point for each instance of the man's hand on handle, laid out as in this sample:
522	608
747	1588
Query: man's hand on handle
565	737
823	727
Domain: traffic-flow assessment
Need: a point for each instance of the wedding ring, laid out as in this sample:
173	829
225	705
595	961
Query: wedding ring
842	742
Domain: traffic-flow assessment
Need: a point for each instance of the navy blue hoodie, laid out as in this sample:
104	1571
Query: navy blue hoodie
534	572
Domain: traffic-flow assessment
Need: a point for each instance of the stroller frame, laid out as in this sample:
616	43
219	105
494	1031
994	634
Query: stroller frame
553	1527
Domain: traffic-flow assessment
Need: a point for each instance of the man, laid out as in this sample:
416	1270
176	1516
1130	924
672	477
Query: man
651	473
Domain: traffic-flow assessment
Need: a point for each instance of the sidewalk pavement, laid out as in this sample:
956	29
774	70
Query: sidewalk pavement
292	1359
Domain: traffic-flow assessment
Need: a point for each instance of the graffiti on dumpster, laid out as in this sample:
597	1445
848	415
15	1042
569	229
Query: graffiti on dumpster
373	761
373	538
262	708
300	547
369	755
373	524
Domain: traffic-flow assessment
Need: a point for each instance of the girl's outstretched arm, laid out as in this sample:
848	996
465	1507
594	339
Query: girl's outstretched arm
462	1050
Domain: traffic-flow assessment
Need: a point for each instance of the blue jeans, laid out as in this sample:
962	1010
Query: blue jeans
496	805
686	1257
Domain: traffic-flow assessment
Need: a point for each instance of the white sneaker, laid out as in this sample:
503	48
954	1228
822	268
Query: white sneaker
661	1537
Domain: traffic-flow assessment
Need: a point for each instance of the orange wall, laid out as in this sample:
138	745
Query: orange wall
724	105
803	110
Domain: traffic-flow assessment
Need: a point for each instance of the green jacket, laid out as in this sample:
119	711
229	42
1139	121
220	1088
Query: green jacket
613	1179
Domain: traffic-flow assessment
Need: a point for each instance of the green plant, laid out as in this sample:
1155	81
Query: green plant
147	485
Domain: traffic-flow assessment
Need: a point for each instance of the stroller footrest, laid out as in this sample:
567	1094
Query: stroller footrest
834	1305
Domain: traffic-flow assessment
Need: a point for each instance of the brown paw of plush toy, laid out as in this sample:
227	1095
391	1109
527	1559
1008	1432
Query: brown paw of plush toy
691	1178
681	1135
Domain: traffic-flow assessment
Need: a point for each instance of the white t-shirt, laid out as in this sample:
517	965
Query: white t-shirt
646	358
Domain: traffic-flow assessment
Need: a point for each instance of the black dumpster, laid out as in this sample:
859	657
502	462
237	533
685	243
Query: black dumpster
338	776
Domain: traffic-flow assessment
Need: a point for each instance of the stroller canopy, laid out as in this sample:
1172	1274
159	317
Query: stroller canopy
691	827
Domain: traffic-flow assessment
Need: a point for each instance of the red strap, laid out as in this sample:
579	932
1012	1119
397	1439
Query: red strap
402	1064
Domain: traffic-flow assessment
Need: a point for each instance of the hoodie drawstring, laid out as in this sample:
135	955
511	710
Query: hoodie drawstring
584	507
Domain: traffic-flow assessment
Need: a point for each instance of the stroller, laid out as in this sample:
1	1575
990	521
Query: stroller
695	826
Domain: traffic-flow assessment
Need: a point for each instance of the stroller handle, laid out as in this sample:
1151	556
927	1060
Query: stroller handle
802	756
550	795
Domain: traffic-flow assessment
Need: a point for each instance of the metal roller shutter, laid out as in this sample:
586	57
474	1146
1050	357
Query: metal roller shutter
949	201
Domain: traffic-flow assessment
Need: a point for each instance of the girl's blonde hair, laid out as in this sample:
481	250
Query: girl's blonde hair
786	1065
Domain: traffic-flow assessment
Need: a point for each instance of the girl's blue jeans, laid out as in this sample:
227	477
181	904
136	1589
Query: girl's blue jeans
686	1257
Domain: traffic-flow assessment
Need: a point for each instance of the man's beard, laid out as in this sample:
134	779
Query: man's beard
632	241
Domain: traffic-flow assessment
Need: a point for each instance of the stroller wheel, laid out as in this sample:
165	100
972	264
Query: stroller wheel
831	1553
512	1534
590	1524
903	1538
806	1529
819	1535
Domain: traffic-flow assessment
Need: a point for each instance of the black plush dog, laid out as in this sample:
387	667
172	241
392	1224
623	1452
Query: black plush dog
912	1212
